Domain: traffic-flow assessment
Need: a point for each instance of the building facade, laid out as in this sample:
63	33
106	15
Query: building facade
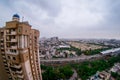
19	51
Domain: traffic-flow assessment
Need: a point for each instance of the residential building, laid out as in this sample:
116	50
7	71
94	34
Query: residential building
101	76
19	51
116	68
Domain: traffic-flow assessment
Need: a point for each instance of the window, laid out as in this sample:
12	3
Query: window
13	30
13	50
13	44
2	46
2	50
25	30
31	57
2	33
14	58
12	37
35	37
1	41
19	29
7	31
8	57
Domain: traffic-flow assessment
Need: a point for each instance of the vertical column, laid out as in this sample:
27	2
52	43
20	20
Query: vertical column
22	41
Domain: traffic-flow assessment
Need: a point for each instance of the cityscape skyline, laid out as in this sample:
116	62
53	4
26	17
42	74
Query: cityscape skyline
67	19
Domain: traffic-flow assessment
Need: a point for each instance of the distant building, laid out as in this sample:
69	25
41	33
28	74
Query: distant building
54	39
116	68
19	51
101	76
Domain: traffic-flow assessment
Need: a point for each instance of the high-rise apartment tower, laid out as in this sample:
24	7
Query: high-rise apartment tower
19	51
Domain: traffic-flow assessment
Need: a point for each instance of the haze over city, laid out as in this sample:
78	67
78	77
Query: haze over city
67	18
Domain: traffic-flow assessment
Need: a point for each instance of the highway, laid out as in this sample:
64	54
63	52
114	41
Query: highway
69	60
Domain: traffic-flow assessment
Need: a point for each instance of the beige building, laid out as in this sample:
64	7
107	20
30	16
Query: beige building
19	51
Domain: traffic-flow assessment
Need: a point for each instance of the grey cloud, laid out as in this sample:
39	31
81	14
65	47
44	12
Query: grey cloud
111	21
113	18
53	7
67	18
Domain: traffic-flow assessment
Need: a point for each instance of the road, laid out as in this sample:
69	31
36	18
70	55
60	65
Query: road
74	76
69	60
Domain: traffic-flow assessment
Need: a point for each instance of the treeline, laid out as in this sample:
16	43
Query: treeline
93	52
56	73
86	69
86	52
78	51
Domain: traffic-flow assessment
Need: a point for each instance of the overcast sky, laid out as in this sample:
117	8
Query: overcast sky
67	18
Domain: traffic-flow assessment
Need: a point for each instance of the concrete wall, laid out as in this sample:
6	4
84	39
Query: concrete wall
27	69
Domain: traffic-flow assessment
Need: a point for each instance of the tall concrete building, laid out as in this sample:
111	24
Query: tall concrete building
19	51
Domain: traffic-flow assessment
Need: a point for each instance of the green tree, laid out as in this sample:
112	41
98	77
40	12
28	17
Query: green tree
67	71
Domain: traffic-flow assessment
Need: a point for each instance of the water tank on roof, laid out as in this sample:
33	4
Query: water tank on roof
15	17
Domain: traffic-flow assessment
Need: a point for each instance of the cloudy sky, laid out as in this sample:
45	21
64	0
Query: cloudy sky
67	18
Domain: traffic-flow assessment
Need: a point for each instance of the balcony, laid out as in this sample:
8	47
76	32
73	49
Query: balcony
13	33
6	65
3	53
9	52
17	66
1	30
6	68
4	60
1	39
13	40
15	47
7	71
2	47
3	56
20	76
19	72
1	43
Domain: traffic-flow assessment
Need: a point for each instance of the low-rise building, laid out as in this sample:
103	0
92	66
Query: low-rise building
101	76
116	68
